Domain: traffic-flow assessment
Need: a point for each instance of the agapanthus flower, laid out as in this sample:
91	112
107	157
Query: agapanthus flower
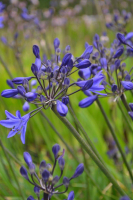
17	124
47	184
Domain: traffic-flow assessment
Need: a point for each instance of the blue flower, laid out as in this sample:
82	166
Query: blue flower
17	123
119	52
96	84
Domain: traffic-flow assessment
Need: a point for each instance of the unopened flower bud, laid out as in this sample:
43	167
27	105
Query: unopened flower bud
42	166
49	167
45	175
67	49
32	168
58	52
39	90
26	84
50	178
55	180
66	182
61	163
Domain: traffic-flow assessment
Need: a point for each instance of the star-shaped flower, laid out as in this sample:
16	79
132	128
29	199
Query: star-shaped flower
17	123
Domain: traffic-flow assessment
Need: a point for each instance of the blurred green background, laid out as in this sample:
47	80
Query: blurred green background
40	137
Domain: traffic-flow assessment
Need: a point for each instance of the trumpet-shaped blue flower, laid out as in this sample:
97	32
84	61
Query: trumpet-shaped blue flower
70	195
17	123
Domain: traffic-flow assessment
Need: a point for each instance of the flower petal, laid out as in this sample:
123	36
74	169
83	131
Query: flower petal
23	134
9	123
9	115
12	133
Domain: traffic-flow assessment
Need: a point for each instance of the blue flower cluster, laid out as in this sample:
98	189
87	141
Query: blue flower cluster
53	79
47	181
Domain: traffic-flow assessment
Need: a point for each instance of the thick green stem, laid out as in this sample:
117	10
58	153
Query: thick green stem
115	138
88	150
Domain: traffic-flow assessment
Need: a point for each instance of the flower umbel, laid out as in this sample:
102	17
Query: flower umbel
46	181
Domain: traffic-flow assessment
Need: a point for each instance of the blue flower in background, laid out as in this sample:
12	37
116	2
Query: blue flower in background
17	123
1	21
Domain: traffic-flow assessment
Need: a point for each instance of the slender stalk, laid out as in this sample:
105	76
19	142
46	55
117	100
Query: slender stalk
125	116
125	102
85	135
88	150
12	169
115	138
6	68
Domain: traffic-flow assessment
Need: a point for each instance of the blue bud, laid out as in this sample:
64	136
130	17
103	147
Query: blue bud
56	43
26	106
33	82
129	36
37	190
66	182
131	106
24	172
103	62
61	162
27	158
10	83
127	85
30	198
65	100
42	98
66	81
79	170
55	150
36	51
19	80
114	87
38	63
87	52
9	93
87	101
67	49
66	59
127	77
121	38
34	69
117	63
21	90
71	196
42	166
31	96
109	25
55	180
45	175
61	108
69	65
83	64
87	85
32	168
119	52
